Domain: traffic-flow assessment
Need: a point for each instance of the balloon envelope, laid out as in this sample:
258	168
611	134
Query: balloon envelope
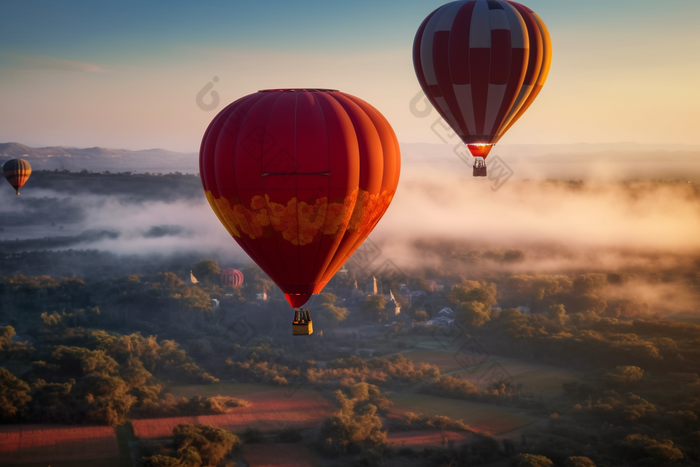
17	172
482	63
299	178
232	278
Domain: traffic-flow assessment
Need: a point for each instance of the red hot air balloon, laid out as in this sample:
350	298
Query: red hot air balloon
482	63
299	178
17	172
231	278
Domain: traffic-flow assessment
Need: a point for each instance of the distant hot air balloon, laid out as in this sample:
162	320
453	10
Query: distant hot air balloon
482	63
17	172
299	178
231	278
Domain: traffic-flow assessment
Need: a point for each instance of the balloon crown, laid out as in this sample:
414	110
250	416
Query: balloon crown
299	90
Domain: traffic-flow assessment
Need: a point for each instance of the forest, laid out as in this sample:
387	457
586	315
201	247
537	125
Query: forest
103	338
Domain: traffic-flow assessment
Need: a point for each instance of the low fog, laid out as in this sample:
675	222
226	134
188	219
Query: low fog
557	223
112	223
605	217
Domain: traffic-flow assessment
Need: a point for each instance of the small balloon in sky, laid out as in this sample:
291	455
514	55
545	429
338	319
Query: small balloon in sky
482	63
17	172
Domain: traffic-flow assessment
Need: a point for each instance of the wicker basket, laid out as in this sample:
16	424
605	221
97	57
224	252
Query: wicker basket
302	324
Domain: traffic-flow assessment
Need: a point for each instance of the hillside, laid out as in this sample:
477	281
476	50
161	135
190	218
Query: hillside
101	159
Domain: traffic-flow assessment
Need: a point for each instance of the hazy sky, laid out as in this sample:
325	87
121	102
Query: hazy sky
126	74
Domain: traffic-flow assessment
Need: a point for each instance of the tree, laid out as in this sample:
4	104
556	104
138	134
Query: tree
6	334
329	315
328	312
472	291
588	283
474	301
207	271
356	425
623	376
75	362
483	449
577	461
162	461
51	402
449	386
663	451
14	394
107	398
194	298
374	308
168	280
473	313
531	460
327	298
421	315
256	281
210	443
557	314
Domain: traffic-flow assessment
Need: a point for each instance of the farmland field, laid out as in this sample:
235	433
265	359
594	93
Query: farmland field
484	369
444	360
278	455
534	377
44	444
480	417
423	438
271	409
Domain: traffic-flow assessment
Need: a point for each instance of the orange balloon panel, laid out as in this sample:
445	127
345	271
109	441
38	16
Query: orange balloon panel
299	178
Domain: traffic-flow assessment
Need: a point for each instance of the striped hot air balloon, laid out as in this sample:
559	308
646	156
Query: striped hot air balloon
17	172
482	63
231	278
299	178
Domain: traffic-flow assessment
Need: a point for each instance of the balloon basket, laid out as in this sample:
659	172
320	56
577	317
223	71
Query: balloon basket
479	169
302	324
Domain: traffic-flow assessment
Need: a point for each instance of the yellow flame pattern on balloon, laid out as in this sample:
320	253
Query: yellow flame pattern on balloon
298	221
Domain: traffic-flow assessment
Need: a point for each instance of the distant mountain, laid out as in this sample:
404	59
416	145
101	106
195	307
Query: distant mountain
101	159
604	161
561	152
582	160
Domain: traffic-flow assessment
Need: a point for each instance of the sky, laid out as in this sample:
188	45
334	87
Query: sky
127	74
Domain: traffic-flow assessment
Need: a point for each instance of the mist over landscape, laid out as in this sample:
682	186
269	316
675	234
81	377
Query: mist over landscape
481	319
562	220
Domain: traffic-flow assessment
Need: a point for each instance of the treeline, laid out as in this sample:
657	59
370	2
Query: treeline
643	383
194	446
135	187
76	375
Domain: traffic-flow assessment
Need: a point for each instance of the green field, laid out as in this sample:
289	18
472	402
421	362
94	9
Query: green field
442	359
482	370
481	417
534	377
